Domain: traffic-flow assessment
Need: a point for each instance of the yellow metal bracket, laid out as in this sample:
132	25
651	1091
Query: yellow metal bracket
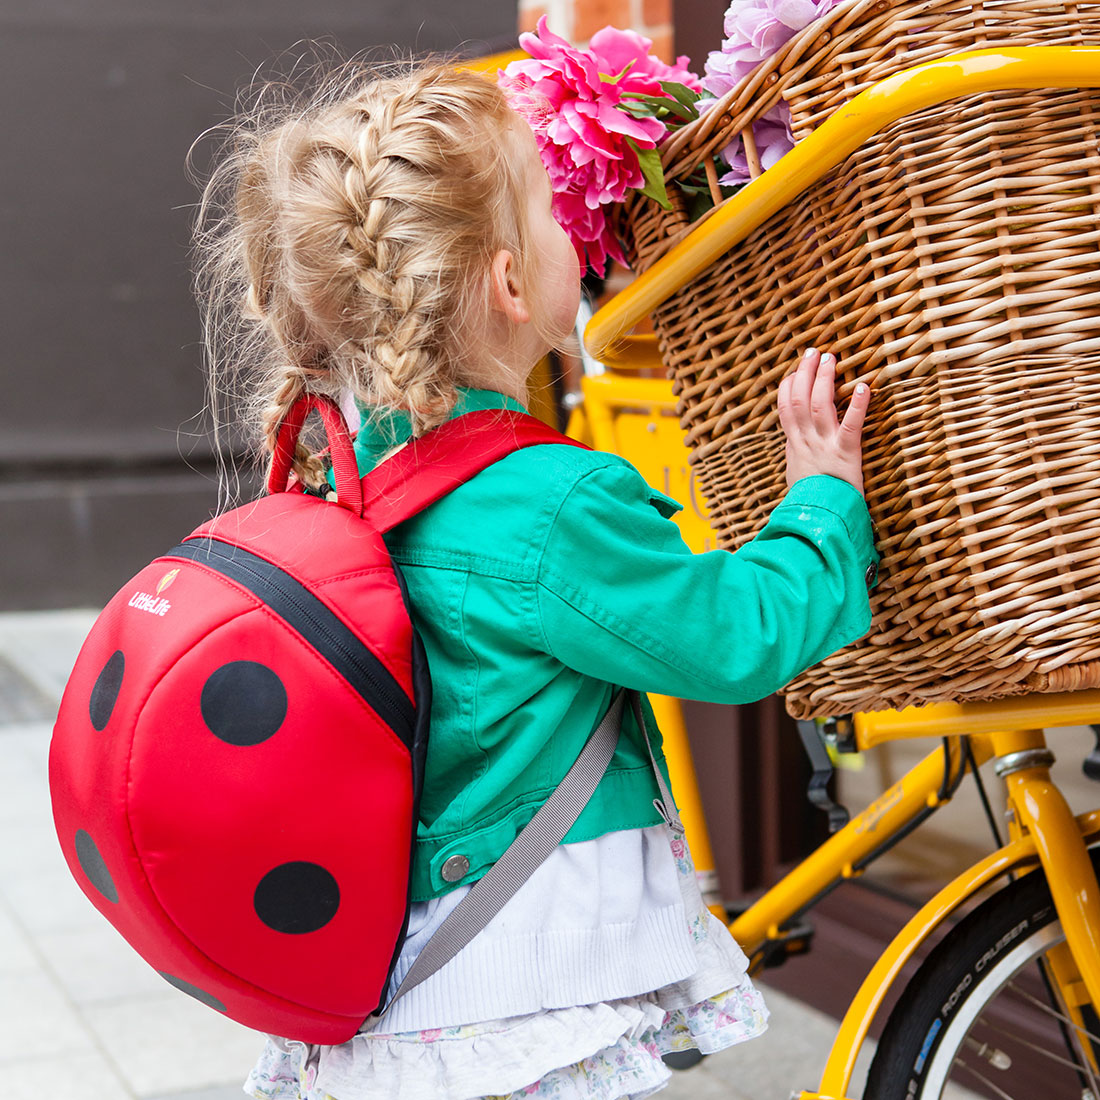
812	158
1018	712
845	851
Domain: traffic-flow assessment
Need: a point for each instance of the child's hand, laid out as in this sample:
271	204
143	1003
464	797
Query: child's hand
816	442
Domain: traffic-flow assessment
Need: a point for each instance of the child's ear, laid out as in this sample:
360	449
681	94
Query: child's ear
506	293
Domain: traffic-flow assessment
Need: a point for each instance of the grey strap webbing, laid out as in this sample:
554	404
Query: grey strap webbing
666	804
543	833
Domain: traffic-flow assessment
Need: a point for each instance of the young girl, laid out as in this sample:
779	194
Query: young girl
389	242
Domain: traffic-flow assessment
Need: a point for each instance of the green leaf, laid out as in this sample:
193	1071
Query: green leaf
699	205
662	106
683	95
694	188
649	160
637	110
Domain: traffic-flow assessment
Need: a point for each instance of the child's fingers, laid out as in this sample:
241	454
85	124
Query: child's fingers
786	416
856	413
822	400
803	383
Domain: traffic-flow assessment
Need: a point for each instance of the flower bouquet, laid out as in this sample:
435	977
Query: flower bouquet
598	115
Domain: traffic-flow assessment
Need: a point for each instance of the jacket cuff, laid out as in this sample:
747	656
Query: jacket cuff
845	502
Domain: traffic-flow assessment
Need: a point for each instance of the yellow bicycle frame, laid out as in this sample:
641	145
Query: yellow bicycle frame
1045	834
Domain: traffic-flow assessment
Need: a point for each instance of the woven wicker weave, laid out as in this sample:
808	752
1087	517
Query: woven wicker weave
953	262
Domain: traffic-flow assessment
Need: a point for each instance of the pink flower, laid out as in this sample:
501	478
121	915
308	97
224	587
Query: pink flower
755	29
615	50
573	101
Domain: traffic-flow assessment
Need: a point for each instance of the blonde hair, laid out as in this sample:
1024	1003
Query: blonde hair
344	240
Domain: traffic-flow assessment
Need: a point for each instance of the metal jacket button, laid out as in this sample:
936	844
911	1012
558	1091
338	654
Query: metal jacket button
454	869
872	572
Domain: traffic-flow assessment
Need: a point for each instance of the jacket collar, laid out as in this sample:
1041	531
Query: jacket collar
381	432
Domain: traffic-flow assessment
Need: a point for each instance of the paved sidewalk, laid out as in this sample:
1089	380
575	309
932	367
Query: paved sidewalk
82	1017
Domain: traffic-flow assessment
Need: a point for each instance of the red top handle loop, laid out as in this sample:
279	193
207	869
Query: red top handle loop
349	491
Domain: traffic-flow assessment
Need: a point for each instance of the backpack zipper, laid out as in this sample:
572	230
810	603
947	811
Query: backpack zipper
314	621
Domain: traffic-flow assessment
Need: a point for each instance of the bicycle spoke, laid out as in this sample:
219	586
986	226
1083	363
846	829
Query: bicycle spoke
977	1019
984	1080
997	1058
1081	1065
1044	1006
1049	1055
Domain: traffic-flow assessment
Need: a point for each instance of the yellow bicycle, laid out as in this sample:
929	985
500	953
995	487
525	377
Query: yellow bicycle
1020	928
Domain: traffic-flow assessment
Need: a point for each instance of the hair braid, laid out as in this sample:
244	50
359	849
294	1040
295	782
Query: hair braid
345	238
307	467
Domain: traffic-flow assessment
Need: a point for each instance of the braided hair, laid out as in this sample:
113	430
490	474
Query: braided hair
344	241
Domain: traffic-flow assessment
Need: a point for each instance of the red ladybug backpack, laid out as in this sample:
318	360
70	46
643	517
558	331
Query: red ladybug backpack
237	759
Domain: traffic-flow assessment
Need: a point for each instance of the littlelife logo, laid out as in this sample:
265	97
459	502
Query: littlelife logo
143	601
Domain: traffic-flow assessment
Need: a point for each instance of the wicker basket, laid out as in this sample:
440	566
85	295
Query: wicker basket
953	262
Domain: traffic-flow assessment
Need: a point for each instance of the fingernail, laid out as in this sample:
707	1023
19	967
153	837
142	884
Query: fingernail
808	352
828	357
861	389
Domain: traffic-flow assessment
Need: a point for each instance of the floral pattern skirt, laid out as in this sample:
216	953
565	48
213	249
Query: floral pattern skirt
525	1056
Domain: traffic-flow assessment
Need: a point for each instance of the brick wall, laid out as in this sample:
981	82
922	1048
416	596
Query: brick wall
578	20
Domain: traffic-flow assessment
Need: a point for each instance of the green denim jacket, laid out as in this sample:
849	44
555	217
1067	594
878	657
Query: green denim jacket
556	575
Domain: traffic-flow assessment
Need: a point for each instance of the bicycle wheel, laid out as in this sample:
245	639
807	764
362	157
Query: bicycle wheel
977	1020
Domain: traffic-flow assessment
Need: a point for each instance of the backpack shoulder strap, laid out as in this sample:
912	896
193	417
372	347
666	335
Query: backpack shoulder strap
428	468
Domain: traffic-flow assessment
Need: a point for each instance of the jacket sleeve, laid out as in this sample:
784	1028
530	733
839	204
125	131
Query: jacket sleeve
622	598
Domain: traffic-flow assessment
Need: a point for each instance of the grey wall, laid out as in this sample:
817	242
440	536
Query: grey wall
100	466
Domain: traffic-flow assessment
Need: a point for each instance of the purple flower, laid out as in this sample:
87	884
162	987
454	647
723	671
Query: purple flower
755	29
725	69
772	135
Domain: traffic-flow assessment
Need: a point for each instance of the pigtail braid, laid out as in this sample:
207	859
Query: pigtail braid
345	240
307	467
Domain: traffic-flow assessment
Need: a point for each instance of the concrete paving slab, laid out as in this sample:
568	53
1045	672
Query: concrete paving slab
16	953
32	740
169	1043
87	1076
21	794
21	699
29	848
36	1021
49	902
700	1084
96	964
43	644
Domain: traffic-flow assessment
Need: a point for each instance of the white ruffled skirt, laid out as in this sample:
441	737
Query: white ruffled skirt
607	1051
611	1050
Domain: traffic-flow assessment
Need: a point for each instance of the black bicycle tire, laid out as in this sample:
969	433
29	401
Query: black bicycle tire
963	964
